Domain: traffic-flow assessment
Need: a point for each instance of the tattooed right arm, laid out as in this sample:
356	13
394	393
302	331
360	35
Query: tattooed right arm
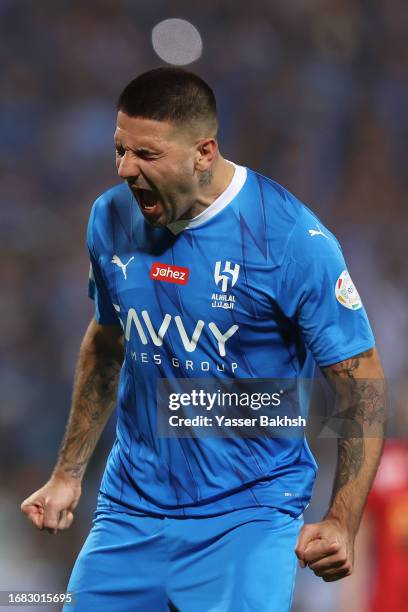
101	354
94	394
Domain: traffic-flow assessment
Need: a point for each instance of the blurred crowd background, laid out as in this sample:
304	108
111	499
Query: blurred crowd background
313	93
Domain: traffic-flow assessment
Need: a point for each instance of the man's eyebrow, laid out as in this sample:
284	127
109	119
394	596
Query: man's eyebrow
144	150
138	150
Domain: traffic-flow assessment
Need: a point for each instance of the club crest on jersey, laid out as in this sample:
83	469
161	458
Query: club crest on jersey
225	278
228	275
346	292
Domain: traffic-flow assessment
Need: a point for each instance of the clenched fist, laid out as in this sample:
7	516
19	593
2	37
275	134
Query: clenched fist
327	548
52	507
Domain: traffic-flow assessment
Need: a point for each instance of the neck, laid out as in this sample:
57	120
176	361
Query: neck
211	185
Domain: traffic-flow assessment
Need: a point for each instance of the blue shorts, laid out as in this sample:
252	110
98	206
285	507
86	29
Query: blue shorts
242	560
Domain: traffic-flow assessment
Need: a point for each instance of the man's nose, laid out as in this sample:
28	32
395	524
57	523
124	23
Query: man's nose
127	167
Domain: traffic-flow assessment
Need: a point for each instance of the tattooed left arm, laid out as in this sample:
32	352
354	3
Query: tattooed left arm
327	547
359	385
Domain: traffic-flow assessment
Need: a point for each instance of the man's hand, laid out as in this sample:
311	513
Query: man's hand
327	548
52	506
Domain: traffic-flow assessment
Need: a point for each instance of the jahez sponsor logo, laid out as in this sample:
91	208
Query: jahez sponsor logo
169	274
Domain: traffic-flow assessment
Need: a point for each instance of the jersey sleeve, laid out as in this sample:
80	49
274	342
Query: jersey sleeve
105	313
321	297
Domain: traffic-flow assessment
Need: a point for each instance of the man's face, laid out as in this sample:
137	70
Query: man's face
156	159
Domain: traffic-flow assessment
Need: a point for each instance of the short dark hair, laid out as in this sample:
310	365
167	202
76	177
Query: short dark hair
169	94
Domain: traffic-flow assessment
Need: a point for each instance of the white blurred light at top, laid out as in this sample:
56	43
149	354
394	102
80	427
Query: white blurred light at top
177	41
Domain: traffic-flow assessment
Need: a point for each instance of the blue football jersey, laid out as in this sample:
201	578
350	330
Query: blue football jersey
253	287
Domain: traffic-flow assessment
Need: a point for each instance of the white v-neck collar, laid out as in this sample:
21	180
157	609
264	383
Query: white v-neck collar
235	186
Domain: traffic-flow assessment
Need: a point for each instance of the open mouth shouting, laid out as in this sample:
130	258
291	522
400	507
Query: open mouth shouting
149	203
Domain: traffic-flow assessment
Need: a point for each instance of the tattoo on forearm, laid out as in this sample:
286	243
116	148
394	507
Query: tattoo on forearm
96	396
361	414
350	460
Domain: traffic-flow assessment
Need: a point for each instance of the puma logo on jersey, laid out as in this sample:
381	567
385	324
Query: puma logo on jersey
317	232
116	260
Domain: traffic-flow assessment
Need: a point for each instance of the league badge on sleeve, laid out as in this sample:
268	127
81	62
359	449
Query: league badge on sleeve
346	293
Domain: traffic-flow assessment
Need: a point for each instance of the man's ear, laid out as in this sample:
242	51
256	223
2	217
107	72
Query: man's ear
206	152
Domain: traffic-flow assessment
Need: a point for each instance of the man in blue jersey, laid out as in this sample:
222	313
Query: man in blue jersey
203	269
